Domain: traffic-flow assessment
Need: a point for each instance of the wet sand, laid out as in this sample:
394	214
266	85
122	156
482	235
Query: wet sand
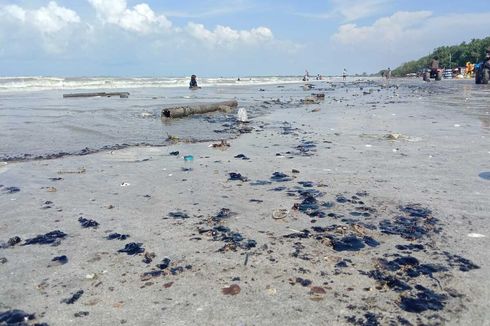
382	191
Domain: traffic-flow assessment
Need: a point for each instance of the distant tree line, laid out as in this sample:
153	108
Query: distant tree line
449	57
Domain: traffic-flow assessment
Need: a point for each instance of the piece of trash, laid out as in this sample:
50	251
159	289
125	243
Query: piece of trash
242	115
393	136
88	223
237	176
51	189
60	259
125	184
485	175
233	289
132	248
81	314
48	238
242	157
188	158
476	235
148	258
178	215
16	317
164	264
222	144
457	125
369	145
280	213
11	190
176	153
73	298
118	236
90	276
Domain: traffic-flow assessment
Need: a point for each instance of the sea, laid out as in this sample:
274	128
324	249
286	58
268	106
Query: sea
36	121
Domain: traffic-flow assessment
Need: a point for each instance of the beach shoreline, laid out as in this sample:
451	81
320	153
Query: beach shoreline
357	167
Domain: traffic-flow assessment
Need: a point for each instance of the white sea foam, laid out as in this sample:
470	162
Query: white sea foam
32	83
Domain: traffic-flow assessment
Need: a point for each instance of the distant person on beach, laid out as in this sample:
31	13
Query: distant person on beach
193	83
344	74
388	73
434	63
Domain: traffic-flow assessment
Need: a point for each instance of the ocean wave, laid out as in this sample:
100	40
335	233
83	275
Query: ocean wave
33	83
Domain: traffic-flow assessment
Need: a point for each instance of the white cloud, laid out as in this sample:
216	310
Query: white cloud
224	35
351	10
48	20
404	36
386	29
141	18
14	11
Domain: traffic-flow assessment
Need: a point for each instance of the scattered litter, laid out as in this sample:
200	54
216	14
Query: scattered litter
242	115
148	257
485	175
233	289
11	190
280	213
280	177
476	235
73	298
125	184
15	317
132	248
176	153
48	238
242	157
234	176
222	144
118	236
81	314
60	259
178	215
51	189
88	223
188	158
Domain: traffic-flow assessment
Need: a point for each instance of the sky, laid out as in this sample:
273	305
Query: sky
151	38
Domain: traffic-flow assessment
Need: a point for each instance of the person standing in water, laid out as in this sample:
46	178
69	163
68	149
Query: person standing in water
344	74
193	83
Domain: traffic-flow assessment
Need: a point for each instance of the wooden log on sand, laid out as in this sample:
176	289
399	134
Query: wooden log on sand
102	94
185	110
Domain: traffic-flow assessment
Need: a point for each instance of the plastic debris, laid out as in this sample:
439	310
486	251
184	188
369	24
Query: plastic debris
132	248
74	298
233	289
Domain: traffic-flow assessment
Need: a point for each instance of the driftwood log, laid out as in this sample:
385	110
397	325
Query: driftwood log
185	110
103	94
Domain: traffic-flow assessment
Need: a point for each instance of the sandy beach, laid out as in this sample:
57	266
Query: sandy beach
370	207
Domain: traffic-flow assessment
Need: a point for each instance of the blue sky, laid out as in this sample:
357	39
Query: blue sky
227	38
